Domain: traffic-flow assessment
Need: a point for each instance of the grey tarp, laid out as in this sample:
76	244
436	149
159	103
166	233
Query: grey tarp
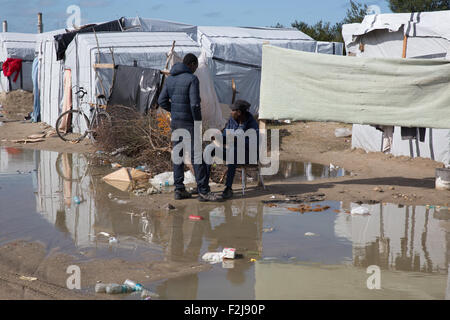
307	86
135	87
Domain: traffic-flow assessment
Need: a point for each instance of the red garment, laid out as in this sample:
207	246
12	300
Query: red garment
12	65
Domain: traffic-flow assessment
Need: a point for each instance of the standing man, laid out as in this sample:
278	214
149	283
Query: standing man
181	97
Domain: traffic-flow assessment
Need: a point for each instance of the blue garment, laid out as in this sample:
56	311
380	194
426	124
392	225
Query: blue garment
36	117
181	97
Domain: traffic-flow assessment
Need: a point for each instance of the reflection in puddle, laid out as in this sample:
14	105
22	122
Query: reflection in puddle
410	244
305	171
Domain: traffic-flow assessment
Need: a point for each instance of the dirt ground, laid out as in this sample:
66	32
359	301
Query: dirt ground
398	180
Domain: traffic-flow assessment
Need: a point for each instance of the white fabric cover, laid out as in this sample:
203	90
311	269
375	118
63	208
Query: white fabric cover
211	110
382	36
155	25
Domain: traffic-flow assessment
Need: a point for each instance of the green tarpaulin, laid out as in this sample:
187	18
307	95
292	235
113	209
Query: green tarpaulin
300	85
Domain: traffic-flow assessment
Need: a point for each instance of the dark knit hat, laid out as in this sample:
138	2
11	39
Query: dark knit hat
240	105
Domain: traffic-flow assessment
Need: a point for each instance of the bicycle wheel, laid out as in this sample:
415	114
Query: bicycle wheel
71	166
72	125
100	121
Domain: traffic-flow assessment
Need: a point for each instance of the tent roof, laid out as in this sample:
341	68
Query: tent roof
252	33
18	45
419	24
134	39
157	25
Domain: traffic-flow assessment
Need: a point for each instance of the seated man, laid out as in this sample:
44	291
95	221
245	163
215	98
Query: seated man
242	119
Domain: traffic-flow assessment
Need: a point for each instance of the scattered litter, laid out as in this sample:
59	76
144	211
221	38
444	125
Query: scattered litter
267	230
378	189
252	260
116	165
148	294
106	234
110	195
169	207
153	190
360	211
391	188
270	205
121	201
114	288
36	136
142	168
166	179
25	141
113	240
27	278
228	264
100	288
117	151
195	218
229	253
133	285
76	200
213	257
310	234
272	197
342	133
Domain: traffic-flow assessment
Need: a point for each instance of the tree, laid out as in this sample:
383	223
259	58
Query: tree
418	5
324	31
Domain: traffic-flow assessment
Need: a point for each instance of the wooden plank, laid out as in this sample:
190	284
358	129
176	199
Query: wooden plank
103	66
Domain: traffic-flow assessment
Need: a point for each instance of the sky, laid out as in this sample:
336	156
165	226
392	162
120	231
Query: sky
22	14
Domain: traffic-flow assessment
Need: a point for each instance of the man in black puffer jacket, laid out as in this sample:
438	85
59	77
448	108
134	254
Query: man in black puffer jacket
181	97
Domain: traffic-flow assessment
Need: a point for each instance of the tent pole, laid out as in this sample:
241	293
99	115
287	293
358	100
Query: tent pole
430	137
417	143
405	45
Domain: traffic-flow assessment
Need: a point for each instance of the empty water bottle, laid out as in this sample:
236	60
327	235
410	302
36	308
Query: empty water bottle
100	287
114	288
76	200
166	184
135	286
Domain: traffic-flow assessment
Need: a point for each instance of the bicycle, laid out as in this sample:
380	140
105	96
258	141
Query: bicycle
73	125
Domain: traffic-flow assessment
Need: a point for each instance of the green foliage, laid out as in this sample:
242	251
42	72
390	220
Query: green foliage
418	5
324	31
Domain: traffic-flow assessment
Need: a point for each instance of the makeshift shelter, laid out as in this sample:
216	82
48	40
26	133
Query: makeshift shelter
143	49
236	53
17	46
422	35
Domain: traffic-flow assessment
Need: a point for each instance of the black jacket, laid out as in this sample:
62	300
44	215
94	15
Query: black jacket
181	97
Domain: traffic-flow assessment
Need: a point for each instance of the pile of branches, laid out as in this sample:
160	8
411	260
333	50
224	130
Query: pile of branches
145	139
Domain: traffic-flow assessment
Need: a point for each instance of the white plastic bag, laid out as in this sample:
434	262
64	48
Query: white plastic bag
166	179
342	132
213	257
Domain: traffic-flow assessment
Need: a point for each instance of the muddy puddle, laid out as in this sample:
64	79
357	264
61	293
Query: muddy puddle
285	252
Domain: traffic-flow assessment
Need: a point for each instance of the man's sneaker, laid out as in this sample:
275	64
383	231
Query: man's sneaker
182	194
227	193
204	197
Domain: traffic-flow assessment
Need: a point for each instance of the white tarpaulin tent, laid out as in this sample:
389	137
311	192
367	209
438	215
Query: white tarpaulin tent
148	49
50	79
17	46
428	37
236	53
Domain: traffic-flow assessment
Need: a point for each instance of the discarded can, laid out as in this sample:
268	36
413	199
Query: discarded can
195	218
76	200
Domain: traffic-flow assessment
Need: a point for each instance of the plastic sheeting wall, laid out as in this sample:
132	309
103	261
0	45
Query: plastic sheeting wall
19	46
148	49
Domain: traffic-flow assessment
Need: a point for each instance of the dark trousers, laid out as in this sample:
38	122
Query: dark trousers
200	170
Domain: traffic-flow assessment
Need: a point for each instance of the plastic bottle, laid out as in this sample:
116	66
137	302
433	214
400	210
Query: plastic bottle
166	184
100	287
114	288
135	286
76	200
